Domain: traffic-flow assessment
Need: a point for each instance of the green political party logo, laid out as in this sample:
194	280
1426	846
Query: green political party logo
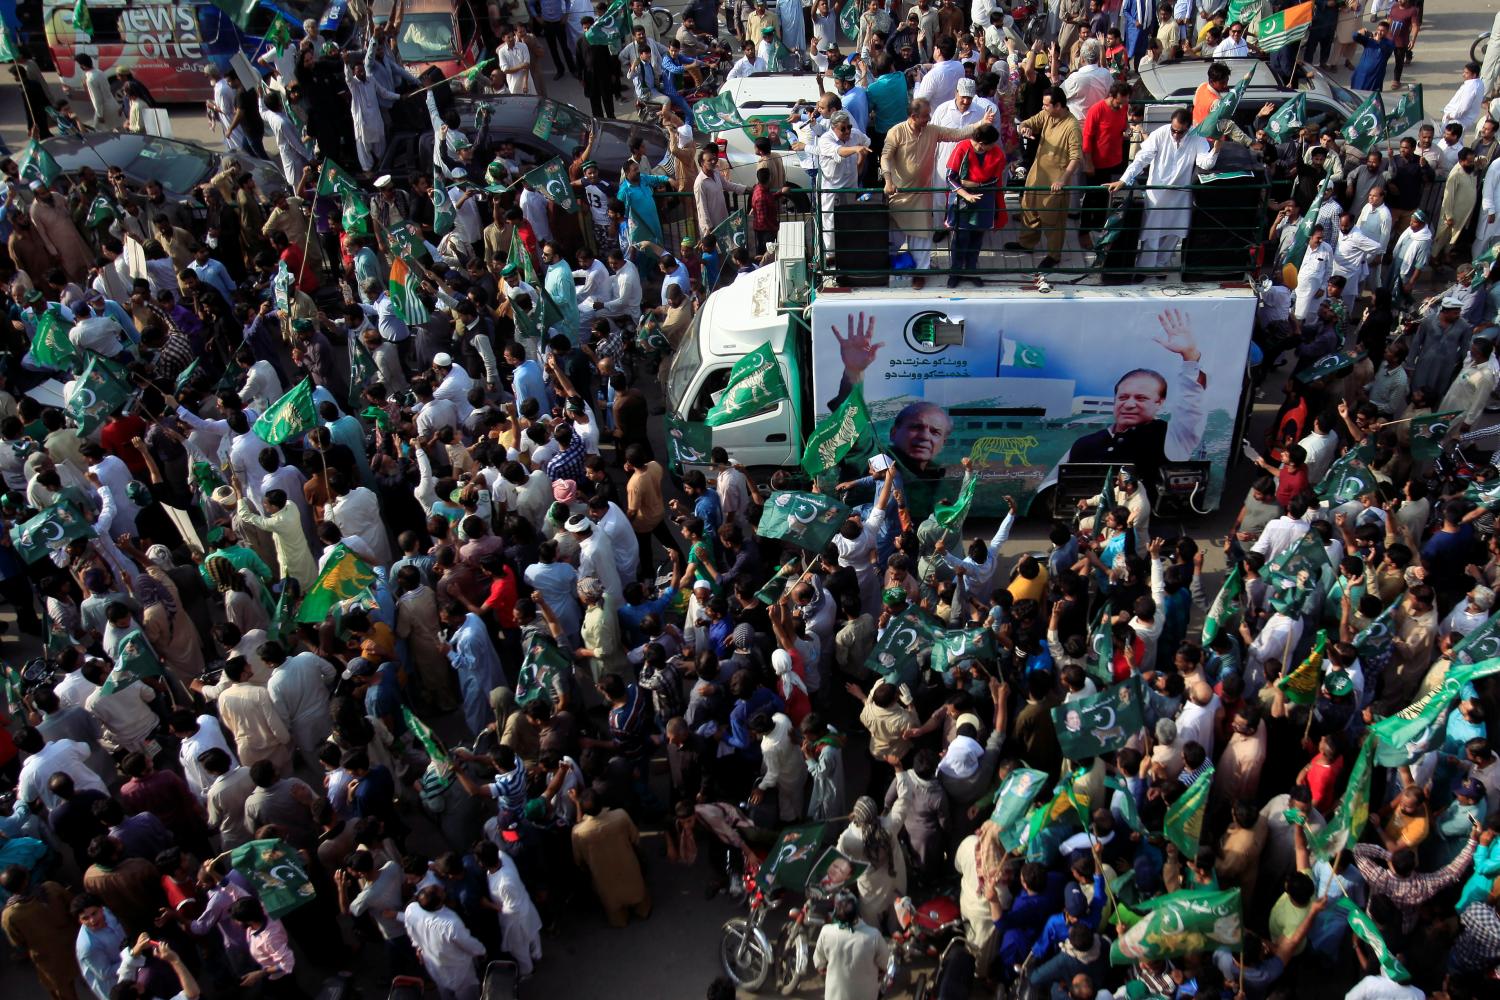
688	443
1367	125
1288	119
755	384
551	179
717	114
955	646
1100	723
1015	796
807	520
1181	923
903	646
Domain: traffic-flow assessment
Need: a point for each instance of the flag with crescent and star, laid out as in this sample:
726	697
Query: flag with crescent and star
1100	723
551	179
807	520
98	392
1286	121
1367	125
904	645
49	531
1427	434
1181	923
275	872
755	385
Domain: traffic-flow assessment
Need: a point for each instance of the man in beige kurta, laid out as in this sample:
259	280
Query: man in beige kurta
1459	192
604	843
417	623
906	163
260	733
1059	155
54	223
284	525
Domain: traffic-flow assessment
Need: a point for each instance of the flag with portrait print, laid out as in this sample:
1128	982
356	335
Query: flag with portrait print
1019	790
51	529
274	870
1100	723
807	520
1408	112
1366	126
1181	923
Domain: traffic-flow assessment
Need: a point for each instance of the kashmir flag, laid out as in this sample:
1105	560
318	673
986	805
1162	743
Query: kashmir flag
83	21
849	19
611	27
292	414
1287	121
335	180
50	347
1181	923
688	443
405	298
1283	28
755	386
541	669
1427	434
10	49
1101	723
48	531
277	36
275	873
847	430
1367	125
1365	929
97	393
1349	477
903	647
949	514
361	370
734	230
953	646
1408	111
551	179
36	164
1301	685
134	660
1015	796
344	576
1222	110
1015	354
807	520
717	114
1183	824
1225	612
1351	814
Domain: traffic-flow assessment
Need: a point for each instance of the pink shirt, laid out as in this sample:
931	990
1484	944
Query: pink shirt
270	949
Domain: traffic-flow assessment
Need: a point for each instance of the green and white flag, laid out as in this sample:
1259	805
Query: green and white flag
10	48
1020	788
1283	28
551	179
335	180
51	347
135	660
1408	112
1352	812
1366	126
1350	477
1330	365
904	646
275	872
1308	553
1298	250
1018	355
277	36
541	670
282	284
1481	644
1183	824
1246	12
406	297
1126	802
949	514
849	19
1286	121
1100	662
844	432
473	72
292	414
36	164
355	217
1181	923
101	212
426	738
1482	265
1421	726
50	530
83	21
1224	614
521	257
343	577
807	520
1301	686
717	114
361	371
756	385
1373	643
98	392
611	28
1427	434
733	231
187	376
953	646
1365	929
688	443
442	206
1100	723
778	56
1222	110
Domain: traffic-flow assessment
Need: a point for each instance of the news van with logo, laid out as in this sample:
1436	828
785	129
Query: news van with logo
166	45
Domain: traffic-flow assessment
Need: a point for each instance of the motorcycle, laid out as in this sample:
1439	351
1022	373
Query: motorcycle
746	953
925	930
1481	44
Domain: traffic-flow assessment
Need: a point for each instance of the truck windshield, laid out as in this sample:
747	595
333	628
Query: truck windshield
684	367
426	38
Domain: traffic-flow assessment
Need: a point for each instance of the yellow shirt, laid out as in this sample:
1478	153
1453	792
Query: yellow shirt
1407	831
1023	589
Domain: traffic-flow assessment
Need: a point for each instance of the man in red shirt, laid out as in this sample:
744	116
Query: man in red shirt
1104	151
115	437
291	255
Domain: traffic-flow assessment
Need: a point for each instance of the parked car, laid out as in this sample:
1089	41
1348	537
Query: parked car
179	166
770	96
437	33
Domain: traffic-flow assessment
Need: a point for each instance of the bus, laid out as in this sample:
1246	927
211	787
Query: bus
166	45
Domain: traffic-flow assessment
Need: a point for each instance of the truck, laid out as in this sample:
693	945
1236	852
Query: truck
1032	387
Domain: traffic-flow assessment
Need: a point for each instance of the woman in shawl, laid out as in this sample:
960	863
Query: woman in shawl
870	838
240	606
165	621
976	173
791	684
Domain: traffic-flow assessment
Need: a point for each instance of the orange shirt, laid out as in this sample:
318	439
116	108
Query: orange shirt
1203	101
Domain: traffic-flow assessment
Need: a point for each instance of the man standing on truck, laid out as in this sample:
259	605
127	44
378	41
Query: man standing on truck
1059	157
840	152
1173	154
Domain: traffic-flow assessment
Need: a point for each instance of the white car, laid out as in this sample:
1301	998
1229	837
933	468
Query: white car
771	96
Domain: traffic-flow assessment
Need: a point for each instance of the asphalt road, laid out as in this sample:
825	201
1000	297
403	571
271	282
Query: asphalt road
673	955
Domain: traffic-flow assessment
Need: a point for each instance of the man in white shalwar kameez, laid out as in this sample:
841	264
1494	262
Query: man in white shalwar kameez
1312	279
289	145
1487	230
358	513
478	666
1351	259
1174	156
455	385
596	554
520	924
558	583
299	688
447	948
365	95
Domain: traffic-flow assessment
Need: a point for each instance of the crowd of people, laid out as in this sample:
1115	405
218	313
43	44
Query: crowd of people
374	621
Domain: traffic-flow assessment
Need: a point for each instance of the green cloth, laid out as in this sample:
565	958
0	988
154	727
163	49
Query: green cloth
240	558
1286	917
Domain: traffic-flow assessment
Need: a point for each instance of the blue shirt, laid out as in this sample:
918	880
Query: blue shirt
857	103
640	206
888	97
99	954
527	383
631	615
213	274
708	509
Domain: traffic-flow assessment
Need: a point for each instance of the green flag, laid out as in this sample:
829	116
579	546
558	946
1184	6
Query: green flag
1183	823
292	414
1308	553
355	217
1364	928
948	514
755	386
1100	723
953	646
1286	121
83	21
10	49
473	72
344	576
792	857
849	19
1283	28
1408	112
843	432
551	179
1349	477
541	669
1482	265
51	529
97	393
1366	126
1128	811
1330	365
361	370
734	232
1301	686
335	180
778	56
51	347
1373	643
611	27
406	298
426	738
134	660
1021	786
1301	238
275	873
36	164
1246	12
442	205
688	443
1481	644
1181	923
717	114
1100	663
904	646
1352	812
521	257
1018	355
277	36
1222	110
101	212
239	11
1224	613
807	520
284	618
1427	434
1421	726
